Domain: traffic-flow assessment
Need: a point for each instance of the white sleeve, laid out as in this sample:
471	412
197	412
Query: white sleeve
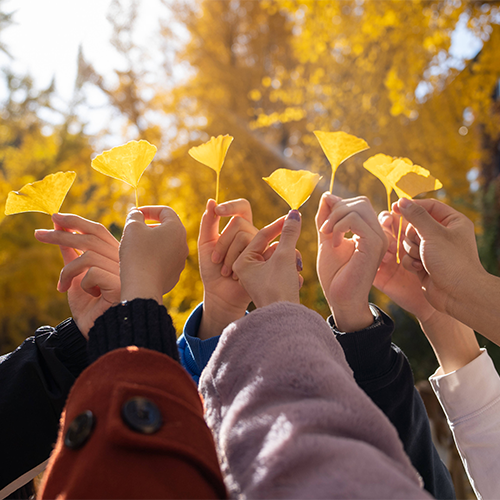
470	398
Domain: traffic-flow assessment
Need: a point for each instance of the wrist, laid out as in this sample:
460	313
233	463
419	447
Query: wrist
217	314
140	291
454	343
352	319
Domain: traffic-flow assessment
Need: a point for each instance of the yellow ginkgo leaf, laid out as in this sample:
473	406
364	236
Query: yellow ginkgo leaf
212	154
381	166
44	196
412	180
338	147
127	162
294	186
409	180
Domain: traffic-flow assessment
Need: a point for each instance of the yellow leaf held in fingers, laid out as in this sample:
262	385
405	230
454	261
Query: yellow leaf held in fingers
381	166
44	196
294	186
412	180
212	154
338	147
126	163
409	181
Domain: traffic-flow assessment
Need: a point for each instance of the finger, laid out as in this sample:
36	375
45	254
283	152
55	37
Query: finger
238	245
235	226
412	234
412	249
290	232
412	265
78	241
301	281
270	251
428	217
385	219
351	222
240	207
68	254
71	222
326	203
83	263
264	237
158	213
298	261
361	205
97	281
209	226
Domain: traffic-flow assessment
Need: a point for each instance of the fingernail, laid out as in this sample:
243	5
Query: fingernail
299	264
220	209
225	271
56	216
216	257
405	203
293	214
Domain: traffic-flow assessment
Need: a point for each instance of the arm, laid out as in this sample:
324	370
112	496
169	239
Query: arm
379	367
137	421
35	380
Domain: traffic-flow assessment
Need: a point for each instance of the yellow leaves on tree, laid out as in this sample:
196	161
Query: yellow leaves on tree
294	186
338	147
44	196
126	163
212	154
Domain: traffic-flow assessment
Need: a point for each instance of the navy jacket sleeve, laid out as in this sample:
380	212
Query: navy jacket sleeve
35	381
382	370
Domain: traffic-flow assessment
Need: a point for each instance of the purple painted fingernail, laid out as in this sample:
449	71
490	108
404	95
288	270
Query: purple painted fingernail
299	264
293	214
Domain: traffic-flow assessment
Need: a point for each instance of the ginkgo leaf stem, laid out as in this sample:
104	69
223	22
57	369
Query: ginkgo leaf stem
136	199
331	181
399	238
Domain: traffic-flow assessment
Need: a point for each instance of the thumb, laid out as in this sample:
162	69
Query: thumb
135	215
290	232
419	218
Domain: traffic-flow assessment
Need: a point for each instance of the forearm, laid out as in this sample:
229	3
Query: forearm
477	306
454	343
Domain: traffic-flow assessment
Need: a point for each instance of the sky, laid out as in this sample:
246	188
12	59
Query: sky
45	38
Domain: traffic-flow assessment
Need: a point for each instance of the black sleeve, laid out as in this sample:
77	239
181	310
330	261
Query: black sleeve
35	380
382	370
140	322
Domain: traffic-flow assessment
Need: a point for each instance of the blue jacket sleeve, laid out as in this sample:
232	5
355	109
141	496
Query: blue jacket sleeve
193	352
382	370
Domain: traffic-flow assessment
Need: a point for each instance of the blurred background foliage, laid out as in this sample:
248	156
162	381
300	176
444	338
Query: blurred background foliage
268	73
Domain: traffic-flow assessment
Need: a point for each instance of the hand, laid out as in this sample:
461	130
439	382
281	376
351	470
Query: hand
271	275
151	257
224	299
91	279
393	279
347	267
441	250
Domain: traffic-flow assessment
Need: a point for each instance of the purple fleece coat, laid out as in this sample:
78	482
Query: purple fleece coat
289	420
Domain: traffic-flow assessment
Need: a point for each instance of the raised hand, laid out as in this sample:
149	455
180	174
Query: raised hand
151	257
224	299
393	279
270	273
347	267
91	279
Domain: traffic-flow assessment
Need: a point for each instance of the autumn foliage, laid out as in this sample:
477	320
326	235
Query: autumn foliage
269	74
